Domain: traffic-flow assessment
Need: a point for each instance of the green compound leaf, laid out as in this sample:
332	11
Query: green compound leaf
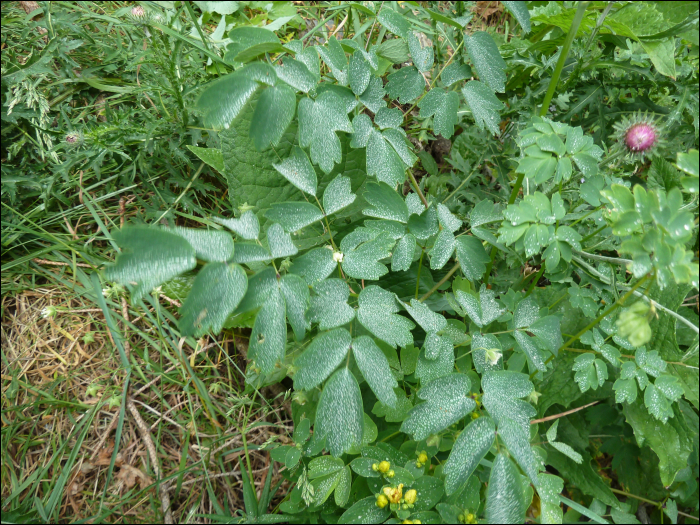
406	85
209	245
323	355
296	295
365	511
394	22
314	266
388	118
549	489
483	104
329	307
339	416
436	345
334	56
247	227
505	501
149	258
338	195
375	369
373	97
298	170
318	122
472	257
440	366
446	403
486	352
212	156
501	392
273	114
280	242
360	73
470	448
421	49
293	216
454	73
223	99
296	74
442	106
487	61
590	372
402	258
216	292
483	309
442	250
521	14
377	313
269	335
385	203
362	261
428	320
247	252
383	161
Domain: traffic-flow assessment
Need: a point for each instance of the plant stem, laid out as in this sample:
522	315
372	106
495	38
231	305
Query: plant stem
476	167
440	282
420	265
417	189
578	17
613	260
623	493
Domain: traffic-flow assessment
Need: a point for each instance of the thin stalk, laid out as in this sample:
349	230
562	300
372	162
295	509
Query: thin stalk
594	233
440	282
420	265
578	17
416	188
613	260
476	166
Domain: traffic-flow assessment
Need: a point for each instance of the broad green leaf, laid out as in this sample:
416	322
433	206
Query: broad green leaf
398	141
436	345
517	440
505	498
280	242
293	216
394	50
470	447
273	114
362	261
298	170
430	490
520	12
442	106
334	56
223	99
501	392
383	161
662	55
373	97
345	94
362	128
406	84
385	203
428	320
394	415
247	252
209	245
216	292
442	250
339	416
657	403
394	22
212	156
342	491
149	258
359	73
425	225
260	286
315	265
421	49
549	489
329	307
483	310
446	403
296	74
487	61
394	229
249	42
388	118
483	104
318	122
429	369
269	335
454	73
547	331
324	465
365	511
486	352
323	487
447	220
377	313
260	72
472	257
324	354
402	258
375	369
296	298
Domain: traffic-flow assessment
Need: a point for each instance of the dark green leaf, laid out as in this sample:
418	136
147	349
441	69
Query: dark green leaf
298	170
421	50
406	85
470	448
394	22
377	313
505	499
329	307
293	216
209	245
472	257
443	105
375	369
487	60
273	114
483	104
339	416
324	354
296	295
269	335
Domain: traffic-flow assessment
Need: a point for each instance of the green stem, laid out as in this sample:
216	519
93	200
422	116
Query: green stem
623	493
578	17
420	265
594	233
613	260
440	282
476	167
414	182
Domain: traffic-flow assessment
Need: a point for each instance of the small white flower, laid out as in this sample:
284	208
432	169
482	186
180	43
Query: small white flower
493	355
49	311
105	292
157	290
338	257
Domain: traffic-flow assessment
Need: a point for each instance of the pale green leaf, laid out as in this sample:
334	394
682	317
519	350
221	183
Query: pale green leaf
487	60
323	355
520	12
260	286
375	369
373	97
247	252
365	511
406	84
222	100
149	258
377	313
269	335
293	216
483	310
216	292
446	402
359	73
442	250
394	22
298	170
397	139
454	73
273	113
247	227
296	74
425	225
329	307
209	245
296	295
436	345
428	320
395	50
280	242
385	203
549	488
487	352
484	105
342	491
339	416
362	262
421	49
382	160
470	447
315	265
505	498
388	118
442	365
402	258
212	156
442	106
334	56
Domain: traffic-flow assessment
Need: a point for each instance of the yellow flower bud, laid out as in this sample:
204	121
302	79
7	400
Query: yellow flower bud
411	496
390	474
470	518
423	457
375	467
382	501
384	467
475	415
417	522
407	521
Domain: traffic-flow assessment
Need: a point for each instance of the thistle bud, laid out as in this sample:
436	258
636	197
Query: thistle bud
637	136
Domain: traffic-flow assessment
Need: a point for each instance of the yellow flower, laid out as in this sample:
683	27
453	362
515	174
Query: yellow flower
423	458
384	466
394	494
382	501
390	474
411	496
